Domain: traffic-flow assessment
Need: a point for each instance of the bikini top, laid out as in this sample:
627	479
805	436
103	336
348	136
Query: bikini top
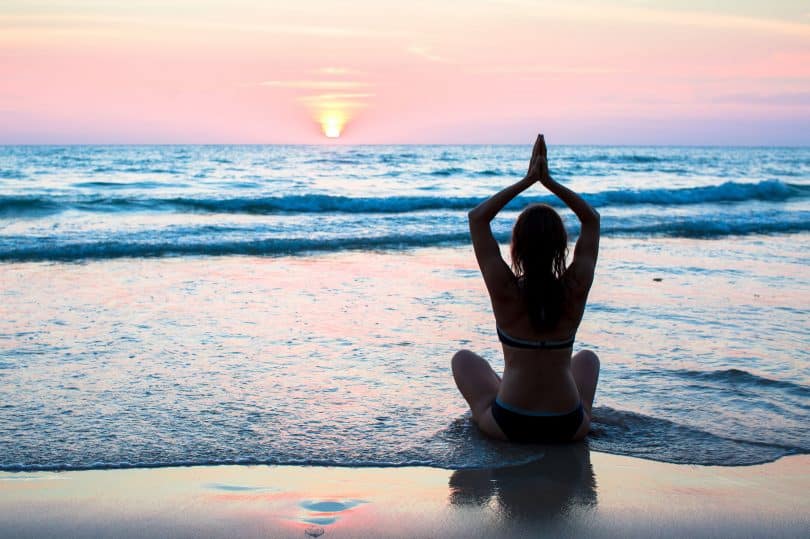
507	339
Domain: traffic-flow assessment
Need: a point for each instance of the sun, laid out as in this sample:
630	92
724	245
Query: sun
332	123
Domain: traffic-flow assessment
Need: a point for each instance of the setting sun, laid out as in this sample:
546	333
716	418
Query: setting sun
332	123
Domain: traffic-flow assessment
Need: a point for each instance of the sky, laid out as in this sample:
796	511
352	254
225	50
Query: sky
711	72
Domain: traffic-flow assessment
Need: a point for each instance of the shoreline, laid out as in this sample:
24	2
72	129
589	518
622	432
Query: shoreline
570	491
112	467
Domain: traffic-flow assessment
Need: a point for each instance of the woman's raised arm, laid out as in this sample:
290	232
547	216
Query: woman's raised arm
586	250
539	171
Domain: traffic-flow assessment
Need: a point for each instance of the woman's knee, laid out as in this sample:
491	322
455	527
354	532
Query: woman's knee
460	358
587	357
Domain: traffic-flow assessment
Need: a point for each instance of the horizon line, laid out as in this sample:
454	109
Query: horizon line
339	145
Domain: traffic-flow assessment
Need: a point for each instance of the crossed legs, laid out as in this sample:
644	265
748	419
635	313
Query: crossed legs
479	385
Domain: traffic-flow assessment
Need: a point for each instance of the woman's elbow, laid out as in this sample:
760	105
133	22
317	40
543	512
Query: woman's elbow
478	222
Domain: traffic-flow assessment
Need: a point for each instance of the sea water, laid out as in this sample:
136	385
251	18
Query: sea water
168	305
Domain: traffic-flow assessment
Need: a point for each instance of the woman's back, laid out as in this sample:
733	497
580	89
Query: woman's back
537	364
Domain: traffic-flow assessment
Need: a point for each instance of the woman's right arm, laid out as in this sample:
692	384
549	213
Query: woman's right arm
586	250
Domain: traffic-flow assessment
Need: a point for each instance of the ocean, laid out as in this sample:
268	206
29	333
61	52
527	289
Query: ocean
164	305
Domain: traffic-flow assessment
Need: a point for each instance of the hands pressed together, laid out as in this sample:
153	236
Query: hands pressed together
538	165
538	172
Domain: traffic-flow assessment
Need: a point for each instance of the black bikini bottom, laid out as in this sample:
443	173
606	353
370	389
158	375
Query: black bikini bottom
525	426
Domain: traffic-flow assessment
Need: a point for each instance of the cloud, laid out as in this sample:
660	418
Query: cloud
614	12
339	101
322	96
788	99
315	84
342	102
80	23
424	52
338	71
550	70
337	96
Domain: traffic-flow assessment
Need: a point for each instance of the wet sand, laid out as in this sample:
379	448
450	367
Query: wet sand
570	492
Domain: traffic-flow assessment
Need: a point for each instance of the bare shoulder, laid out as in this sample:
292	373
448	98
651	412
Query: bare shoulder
579	275
506	299
577	280
498	277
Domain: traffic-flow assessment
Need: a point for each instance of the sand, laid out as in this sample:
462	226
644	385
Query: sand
570	492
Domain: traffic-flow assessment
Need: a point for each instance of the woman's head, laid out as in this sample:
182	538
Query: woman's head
539	242
539	247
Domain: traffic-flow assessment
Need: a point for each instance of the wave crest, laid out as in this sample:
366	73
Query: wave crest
768	191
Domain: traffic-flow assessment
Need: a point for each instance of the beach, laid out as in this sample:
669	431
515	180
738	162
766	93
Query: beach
247	341
569	492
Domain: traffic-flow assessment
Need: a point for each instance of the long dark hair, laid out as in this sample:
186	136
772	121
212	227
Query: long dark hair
539	248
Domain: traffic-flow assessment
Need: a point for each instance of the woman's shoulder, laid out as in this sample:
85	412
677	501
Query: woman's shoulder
577	283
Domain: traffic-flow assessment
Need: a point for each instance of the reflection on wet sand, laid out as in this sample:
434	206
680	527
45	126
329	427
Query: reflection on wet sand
552	497
560	482
325	512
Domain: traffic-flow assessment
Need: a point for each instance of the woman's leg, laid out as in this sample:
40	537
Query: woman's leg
479	385
585	368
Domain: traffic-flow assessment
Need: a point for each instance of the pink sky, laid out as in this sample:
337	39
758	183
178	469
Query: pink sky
461	71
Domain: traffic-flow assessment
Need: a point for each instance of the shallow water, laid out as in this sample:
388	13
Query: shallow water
114	353
344	359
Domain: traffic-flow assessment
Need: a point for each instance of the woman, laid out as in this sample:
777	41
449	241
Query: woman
546	394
